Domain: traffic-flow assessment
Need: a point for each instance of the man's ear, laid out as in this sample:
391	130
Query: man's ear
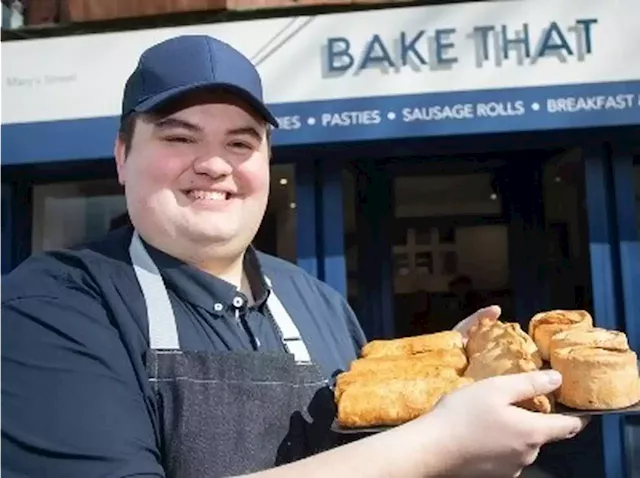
119	152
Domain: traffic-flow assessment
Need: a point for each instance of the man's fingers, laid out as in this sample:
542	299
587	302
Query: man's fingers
521	386
555	427
492	312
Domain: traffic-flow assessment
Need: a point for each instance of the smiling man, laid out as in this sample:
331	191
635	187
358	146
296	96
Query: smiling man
172	348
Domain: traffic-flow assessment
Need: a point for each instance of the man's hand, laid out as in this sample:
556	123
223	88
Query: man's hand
493	312
481	434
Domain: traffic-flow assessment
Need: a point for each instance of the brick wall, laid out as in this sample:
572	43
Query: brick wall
41	12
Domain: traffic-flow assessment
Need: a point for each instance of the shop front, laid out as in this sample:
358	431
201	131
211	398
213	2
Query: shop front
430	160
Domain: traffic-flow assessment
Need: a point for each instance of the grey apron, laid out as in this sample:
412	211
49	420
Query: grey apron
230	413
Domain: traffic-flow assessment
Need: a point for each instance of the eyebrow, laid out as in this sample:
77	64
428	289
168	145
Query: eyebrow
177	123
246	130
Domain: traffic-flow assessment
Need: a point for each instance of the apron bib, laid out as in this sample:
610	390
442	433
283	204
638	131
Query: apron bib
231	413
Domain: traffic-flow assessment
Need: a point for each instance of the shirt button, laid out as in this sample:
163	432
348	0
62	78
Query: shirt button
237	302
218	307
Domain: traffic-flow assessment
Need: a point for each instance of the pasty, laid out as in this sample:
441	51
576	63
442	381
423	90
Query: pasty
505	358
410	371
513	333
487	332
482	334
393	402
447	340
545	325
453	358
597	378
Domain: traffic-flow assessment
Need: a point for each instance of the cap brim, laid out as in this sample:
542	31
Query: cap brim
156	101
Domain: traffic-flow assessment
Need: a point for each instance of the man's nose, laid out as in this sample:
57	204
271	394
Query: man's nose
213	165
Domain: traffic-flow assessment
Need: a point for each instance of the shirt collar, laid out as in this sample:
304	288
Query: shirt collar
206	290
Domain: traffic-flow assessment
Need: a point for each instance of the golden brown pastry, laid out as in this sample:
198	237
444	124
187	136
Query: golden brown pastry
596	337
504	358
482	334
545	325
487	332
413	371
595	378
413	345
513	333
453	358
370	404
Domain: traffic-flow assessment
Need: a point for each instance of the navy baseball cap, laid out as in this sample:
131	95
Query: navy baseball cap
185	63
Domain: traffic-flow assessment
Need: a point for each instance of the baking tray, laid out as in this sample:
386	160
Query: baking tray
357	431
564	410
559	409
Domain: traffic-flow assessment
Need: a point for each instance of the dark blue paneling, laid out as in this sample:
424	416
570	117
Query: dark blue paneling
306	230
374	222
333	268
52	141
520	188
606	298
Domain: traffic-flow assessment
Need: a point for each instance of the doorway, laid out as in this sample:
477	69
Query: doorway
430	241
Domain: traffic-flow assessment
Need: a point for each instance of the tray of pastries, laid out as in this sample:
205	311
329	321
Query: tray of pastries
395	381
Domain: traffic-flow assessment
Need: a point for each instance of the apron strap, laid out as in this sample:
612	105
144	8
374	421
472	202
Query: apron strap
163	331
291	338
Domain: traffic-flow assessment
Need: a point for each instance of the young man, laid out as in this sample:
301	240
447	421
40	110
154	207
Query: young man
172	348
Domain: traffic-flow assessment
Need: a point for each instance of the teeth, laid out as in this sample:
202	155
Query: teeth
210	195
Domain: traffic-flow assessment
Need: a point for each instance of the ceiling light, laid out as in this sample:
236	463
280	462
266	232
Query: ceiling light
292	205
283	181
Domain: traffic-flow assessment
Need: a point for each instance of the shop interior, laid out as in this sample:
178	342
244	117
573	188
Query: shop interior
454	248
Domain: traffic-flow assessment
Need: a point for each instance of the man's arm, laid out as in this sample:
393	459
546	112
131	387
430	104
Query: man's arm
71	403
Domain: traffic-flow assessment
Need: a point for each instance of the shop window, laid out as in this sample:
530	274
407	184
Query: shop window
70	213
456	246
277	233
67	214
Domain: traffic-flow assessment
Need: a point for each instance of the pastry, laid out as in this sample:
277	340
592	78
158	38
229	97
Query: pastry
596	337
487	331
504	358
513	333
410	371
413	345
545	325
393	402
453	358
482	334
597	378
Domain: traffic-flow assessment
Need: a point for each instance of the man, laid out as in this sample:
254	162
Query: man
172	348
467	299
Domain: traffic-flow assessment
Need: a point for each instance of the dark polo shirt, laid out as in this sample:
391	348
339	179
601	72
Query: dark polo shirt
75	395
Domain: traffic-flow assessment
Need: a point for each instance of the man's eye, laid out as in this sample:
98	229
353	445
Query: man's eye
179	139
240	145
